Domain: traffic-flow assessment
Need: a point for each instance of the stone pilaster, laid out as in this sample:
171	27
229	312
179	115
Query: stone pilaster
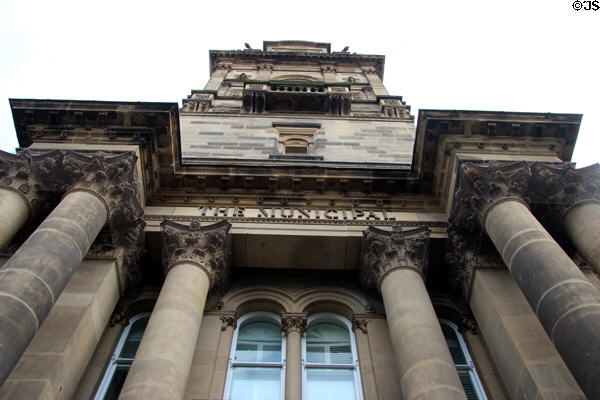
395	262
494	196
34	277
294	326
196	258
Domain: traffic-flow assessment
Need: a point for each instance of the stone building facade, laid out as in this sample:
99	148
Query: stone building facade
290	232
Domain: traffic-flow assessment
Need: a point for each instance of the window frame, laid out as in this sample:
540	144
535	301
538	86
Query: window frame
355	366
115	361
469	367
258	315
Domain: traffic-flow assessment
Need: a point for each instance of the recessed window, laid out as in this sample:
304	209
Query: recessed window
120	363
296	139
330	361
464	365
256	360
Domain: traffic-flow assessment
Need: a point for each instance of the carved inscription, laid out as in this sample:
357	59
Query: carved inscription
362	214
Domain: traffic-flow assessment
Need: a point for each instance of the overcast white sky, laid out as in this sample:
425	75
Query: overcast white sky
538	56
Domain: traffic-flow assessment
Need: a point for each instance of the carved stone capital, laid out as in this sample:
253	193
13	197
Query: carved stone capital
208	247
383	251
467	254
27	173
293	322
110	176
228	320
360	322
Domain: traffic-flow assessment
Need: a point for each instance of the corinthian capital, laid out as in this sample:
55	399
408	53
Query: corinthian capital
27	174
208	247
383	251
293	322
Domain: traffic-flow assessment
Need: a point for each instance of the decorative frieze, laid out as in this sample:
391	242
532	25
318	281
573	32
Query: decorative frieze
383	251
209	247
293	322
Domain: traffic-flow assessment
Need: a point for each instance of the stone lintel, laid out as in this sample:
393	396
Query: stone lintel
293	322
208	247
383	251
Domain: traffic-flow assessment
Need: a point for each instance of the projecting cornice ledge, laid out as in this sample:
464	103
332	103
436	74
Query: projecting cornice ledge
384	251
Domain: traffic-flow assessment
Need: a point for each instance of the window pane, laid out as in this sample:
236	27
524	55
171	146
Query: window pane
330	384
453	345
327	343
258	342
116	383
256	383
134	338
467	384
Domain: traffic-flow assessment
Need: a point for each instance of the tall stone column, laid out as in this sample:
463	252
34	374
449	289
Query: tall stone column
582	223
566	303
294	325
14	212
195	258
395	263
34	277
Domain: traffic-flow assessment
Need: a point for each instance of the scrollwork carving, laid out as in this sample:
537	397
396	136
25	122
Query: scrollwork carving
293	322
383	251
360	322
228	320
209	247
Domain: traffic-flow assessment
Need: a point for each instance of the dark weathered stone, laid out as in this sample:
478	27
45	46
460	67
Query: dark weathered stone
382	251
209	247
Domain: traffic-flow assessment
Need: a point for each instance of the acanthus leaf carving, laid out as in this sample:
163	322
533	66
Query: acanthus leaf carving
293	322
383	251
209	247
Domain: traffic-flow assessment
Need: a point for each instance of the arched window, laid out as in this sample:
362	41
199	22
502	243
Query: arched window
256	359
330	359
462	360
115	374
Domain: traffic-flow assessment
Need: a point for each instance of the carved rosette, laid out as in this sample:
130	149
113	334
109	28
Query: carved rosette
291	322
208	247
383	251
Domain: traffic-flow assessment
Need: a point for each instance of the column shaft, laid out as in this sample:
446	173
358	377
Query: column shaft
424	363
566	303
33	278
14	212
162	363
293	365
582	223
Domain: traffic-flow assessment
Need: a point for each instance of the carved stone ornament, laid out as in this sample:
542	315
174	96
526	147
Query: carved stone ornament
209	247
26	173
383	251
360	322
293	322
481	184
228	320
111	176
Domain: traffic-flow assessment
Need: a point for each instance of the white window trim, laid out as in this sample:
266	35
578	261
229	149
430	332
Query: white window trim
470	367
112	366
229	380
330	317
